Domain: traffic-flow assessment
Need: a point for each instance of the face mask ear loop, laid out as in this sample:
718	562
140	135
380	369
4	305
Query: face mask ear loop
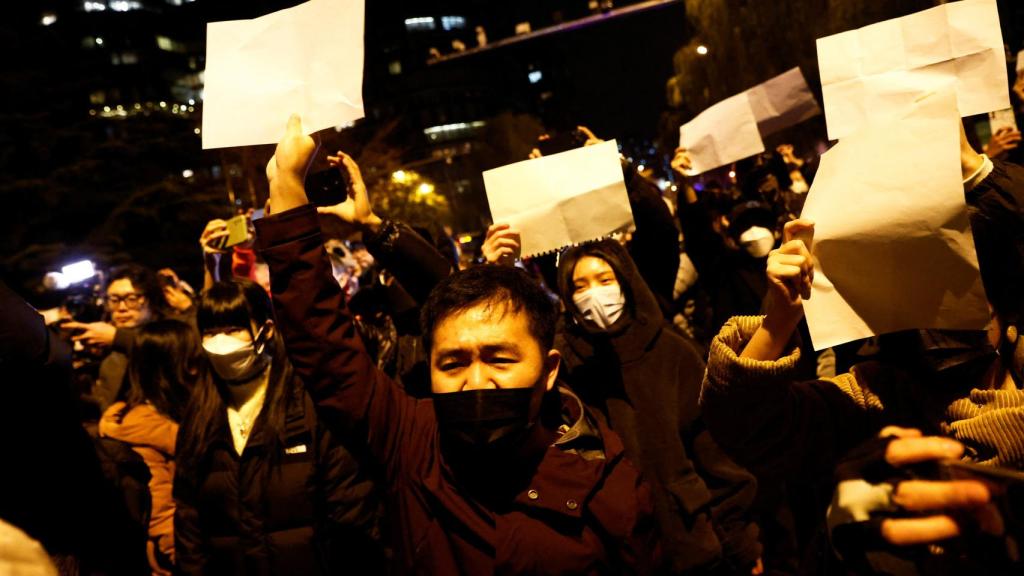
259	342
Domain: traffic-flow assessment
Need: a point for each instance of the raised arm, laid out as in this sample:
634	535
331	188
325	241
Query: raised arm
322	342
416	264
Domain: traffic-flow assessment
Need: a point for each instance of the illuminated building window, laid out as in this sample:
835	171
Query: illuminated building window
453	22
166	44
420	24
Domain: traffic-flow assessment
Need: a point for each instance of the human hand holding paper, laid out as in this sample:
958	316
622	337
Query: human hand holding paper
287	168
893	248
733	129
307	59
790	273
561	200
879	71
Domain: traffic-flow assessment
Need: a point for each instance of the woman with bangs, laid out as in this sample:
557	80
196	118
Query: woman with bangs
261	486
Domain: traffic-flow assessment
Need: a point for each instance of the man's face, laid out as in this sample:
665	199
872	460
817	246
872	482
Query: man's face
487	347
128	308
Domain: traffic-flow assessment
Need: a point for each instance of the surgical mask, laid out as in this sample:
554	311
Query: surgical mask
488	422
602	305
236	361
757	241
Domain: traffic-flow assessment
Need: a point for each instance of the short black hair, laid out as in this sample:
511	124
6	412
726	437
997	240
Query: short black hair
502	285
234	303
145	282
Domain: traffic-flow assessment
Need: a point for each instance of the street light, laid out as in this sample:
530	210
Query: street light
702	50
425	188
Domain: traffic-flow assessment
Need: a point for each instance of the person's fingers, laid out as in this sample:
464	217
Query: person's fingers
72	325
494	229
799	229
294	127
509	243
924	495
791	260
913	531
898	432
350	164
587	132
505	234
904	451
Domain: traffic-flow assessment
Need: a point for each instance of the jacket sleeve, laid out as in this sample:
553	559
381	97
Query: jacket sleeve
352	510
325	348
701	241
772	424
717	487
997	223
655	244
416	264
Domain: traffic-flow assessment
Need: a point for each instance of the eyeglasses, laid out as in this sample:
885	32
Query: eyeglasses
131	301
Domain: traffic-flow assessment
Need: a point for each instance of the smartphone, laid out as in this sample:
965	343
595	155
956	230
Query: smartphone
238	232
561	142
328	187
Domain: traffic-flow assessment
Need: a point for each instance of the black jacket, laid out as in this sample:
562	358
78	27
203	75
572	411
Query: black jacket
52	485
655	244
735	281
646	379
316	513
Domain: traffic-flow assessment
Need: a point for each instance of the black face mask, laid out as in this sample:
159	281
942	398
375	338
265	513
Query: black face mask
484	422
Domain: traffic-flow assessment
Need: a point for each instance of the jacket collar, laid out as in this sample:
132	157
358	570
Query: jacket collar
574	467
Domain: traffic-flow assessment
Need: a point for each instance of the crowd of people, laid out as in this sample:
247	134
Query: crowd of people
644	404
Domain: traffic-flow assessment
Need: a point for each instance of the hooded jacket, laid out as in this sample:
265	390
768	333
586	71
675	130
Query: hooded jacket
645	379
583	508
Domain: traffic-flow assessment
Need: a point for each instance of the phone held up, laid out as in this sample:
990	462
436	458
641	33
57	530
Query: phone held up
328	187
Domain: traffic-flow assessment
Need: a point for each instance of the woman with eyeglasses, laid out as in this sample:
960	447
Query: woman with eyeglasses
261	486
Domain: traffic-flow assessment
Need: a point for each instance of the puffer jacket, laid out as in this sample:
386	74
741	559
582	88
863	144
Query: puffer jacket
314	512
152	436
645	378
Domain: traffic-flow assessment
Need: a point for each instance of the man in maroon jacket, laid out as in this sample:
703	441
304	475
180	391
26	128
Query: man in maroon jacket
501	471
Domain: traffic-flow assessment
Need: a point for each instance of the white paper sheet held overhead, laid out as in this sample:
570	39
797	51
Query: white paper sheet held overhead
722	134
892	244
561	200
880	70
306	60
782	102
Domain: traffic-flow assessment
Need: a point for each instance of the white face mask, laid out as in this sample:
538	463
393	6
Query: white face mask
601	305
757	241
236	361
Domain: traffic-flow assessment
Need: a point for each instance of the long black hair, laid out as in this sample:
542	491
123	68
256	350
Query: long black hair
236	304
163	367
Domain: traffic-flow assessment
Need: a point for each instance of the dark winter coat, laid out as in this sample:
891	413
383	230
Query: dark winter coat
314	513
646	379
734	280
582	510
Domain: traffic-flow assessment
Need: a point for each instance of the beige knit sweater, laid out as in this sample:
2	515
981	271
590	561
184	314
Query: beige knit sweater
739	396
